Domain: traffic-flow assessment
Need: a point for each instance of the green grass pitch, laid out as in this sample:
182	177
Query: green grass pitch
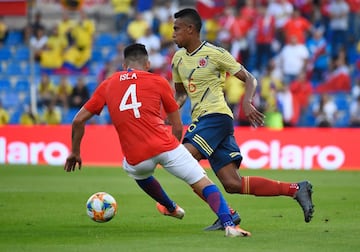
42	208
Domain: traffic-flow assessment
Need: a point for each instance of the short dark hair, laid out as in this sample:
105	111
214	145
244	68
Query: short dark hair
192	17
135	52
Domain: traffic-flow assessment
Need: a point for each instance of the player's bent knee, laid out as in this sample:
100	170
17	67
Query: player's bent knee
232	187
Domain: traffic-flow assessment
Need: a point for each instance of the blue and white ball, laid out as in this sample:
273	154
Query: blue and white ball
101	207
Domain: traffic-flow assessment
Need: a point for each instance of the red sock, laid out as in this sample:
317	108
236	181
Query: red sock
259	186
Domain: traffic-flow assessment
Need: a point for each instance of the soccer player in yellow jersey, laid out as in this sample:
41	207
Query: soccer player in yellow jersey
199	70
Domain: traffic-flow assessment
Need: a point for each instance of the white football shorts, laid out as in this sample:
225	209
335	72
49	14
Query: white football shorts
179	162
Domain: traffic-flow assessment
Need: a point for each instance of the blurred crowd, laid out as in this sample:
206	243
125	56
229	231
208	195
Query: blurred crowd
305	55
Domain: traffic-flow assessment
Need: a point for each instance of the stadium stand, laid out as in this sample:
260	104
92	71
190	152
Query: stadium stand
5	53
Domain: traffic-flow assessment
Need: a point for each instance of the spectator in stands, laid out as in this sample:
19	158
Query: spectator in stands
158	61
151	41
339	14
226	21
137	27
83	29
46	91
357	59
165	69
320	52
355	113
65	25
212	28
51	114
28	117
306	8
52	57
355	90
82	35
354	20
4	115
63	92
122	10
269	85
163	9
293	58
4	31
281	10
239	31
271	109
37	24
275	68
297	26
27	34
324	19
31	29
264	36
165	31
288	106
108	69
80	94
249	11
301	89
117	56
38	43
325	111
338	79
145	7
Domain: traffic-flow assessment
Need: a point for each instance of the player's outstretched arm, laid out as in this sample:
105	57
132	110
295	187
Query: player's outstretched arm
77	133
256	118
180	95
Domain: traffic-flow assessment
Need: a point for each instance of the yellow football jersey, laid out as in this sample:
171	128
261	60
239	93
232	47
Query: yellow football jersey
203	75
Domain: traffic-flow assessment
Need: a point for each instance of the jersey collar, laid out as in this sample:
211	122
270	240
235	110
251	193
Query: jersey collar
197	49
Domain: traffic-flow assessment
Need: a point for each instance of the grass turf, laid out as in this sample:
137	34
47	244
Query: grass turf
43	209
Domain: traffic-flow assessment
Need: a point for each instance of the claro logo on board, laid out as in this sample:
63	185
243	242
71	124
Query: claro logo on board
52	153
259	154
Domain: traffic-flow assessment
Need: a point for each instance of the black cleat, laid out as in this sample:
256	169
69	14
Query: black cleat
218	226
303	197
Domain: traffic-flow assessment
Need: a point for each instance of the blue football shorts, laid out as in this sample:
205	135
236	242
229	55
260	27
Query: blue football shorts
213	136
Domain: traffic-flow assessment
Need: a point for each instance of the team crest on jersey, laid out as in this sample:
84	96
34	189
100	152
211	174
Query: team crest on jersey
203	62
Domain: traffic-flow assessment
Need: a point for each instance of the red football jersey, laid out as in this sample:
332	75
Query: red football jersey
134	99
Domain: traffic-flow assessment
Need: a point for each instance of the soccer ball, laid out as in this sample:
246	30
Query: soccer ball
101	207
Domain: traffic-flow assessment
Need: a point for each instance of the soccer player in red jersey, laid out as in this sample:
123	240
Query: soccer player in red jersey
199	70
134	98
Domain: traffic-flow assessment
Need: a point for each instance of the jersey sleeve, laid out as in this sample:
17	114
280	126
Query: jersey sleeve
174	67
167	97
97	101
227	62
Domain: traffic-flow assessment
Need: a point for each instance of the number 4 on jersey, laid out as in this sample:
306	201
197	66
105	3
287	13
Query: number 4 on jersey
134	104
